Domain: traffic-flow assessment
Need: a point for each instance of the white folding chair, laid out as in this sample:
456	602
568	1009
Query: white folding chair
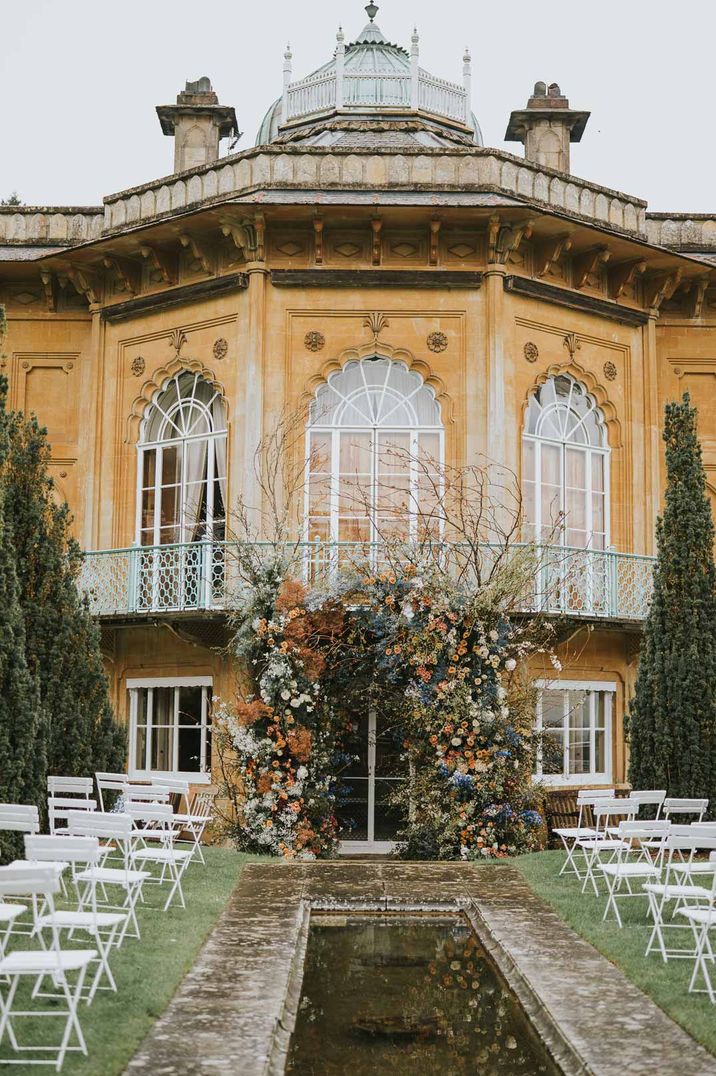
42	882
703	920
622	869
672	805
677	886
144	794
116	828
19	818
197	817
68	794
156	821
649	797
569	835
108	782
102	926
605	812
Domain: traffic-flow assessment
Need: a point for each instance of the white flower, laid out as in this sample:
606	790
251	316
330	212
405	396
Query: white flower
494	636
456	741
510	664
285	695
301	773
556	662
295	703
408	611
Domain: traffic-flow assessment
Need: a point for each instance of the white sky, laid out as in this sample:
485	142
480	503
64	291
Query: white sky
81	78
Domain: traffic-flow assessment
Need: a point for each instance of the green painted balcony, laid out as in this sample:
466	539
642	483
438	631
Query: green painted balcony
206	577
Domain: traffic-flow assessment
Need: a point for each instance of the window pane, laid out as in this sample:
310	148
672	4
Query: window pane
597	471
149	465
528	460
148	503
190	699
394	452
189	759
140	753
320	452
576	509
319	495
576	466
552	709
171	465
528	501
552	753
163	711
579	746
170	505
162	748
599	749
142	705
353	530
355	453
551	464
429	446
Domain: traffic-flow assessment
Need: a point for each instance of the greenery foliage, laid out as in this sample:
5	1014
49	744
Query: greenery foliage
55	711
440	660
672	720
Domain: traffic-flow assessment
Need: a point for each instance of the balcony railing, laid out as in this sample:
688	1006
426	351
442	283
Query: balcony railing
360	90
207	576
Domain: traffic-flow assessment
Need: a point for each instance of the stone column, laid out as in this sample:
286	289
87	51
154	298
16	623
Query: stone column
95	533
501	437
253	362
652	438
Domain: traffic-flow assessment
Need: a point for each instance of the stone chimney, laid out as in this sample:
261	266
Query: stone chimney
546	127
197	122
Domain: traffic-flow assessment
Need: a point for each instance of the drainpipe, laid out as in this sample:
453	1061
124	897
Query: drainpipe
414	86
340	66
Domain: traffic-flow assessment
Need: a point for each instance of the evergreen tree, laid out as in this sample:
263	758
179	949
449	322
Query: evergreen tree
62	641
22	744
672	724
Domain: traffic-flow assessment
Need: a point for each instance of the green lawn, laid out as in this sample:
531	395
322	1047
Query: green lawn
147	971
665	983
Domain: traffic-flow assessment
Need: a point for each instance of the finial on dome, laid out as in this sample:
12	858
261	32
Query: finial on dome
467	57
288	55
340	37
371	11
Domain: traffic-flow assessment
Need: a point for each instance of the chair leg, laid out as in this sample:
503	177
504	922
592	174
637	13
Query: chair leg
6	1012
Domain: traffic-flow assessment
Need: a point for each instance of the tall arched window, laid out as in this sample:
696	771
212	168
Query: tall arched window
565	466
375	440
182	464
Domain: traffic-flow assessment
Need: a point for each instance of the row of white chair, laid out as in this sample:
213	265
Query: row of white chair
96	853
658	859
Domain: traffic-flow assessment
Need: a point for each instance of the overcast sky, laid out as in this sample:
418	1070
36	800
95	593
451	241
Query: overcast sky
81	78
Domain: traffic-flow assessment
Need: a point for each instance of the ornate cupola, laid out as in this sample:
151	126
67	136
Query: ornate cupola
372	93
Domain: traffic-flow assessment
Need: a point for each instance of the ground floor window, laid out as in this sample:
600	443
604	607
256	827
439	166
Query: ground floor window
170	726
575	720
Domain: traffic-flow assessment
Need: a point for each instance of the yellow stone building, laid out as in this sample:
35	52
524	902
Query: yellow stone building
373	266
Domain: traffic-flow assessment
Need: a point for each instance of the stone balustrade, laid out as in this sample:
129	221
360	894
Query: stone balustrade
682	231
50	225
288	167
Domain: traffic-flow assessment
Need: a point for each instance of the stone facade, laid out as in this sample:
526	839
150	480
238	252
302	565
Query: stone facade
492	274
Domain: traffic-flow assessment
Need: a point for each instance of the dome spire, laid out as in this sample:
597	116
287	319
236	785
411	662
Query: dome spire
371	10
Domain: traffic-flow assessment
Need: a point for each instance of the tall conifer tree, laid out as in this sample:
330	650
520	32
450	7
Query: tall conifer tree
672	724
22	741
62	641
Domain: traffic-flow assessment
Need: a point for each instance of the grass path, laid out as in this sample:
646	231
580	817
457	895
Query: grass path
147	971
666	983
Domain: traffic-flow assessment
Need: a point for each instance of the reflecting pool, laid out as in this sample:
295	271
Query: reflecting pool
408	994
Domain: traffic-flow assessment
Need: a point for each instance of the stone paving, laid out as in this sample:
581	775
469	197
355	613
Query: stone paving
235	1009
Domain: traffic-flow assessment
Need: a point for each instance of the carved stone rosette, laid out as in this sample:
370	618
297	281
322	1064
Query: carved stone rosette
610	371
220	348
530	351
437	341
137	365
314	340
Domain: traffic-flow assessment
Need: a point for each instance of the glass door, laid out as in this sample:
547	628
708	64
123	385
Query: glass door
369	822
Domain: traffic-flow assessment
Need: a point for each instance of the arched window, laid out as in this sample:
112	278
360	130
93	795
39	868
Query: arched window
375	440
565	466
182	464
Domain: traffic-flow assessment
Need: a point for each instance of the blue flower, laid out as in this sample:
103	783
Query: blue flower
532	818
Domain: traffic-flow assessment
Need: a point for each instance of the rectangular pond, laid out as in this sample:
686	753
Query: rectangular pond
408	994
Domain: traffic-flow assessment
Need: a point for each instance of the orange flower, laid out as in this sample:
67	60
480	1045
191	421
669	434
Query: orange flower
291	594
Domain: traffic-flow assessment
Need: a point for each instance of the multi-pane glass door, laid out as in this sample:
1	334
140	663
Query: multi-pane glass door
369	821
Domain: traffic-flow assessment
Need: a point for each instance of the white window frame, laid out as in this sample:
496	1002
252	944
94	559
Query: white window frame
159	446
335	431
564	443
134	685
594	777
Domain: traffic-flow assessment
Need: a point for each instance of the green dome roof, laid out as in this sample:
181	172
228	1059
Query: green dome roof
371	54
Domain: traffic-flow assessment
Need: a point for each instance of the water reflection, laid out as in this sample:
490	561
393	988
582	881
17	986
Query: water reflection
408	995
